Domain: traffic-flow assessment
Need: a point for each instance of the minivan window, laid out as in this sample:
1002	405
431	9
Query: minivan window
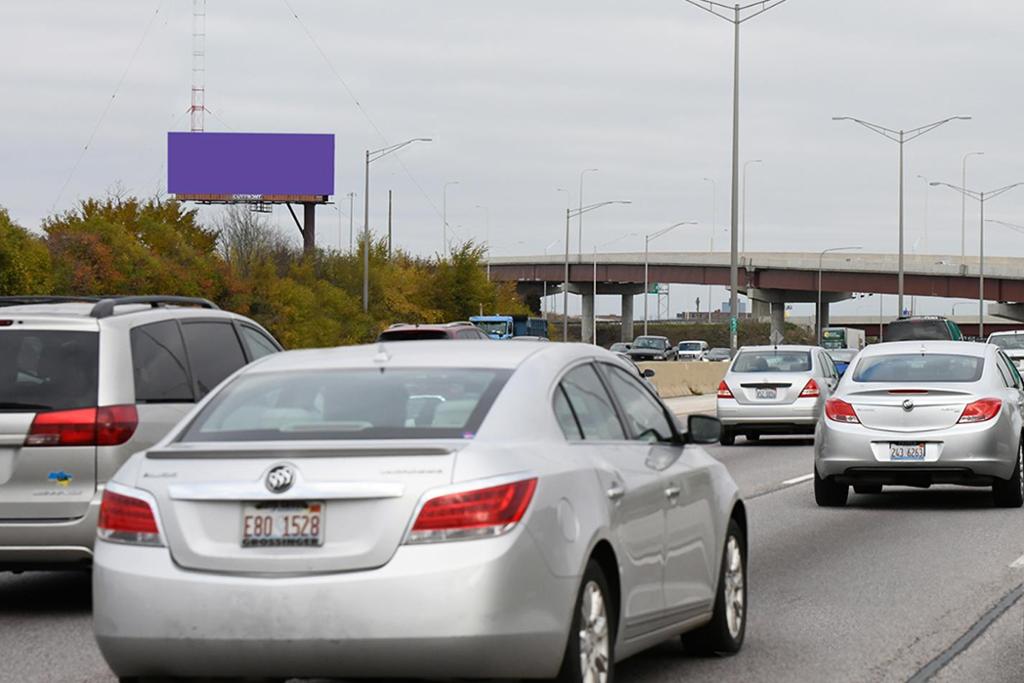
215	352
159	364
48	370
378	403
257	343
919	367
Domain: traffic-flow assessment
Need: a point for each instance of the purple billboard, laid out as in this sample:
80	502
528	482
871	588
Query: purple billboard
250	166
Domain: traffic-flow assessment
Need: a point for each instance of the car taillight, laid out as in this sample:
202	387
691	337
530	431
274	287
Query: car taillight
106	426
981	410
839	410
810	390
127	519
723	390
479	513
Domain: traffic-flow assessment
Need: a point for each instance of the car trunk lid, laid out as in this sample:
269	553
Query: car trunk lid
369	495
900	408
768	388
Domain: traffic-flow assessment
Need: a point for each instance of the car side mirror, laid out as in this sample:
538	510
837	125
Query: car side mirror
703	429
649	373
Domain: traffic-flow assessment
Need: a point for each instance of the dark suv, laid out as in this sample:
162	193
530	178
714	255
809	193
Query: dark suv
456	330
924	327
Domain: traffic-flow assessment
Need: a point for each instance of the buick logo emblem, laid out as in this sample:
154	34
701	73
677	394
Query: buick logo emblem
280	479
908	405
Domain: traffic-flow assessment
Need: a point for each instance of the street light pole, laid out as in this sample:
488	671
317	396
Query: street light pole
371	156
580	243
714	227
647	244
900	137
982	197
444	217
569	213
743	231
734	15
817	312
963	208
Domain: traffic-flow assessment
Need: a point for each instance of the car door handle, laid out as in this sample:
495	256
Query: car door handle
672	492
615	491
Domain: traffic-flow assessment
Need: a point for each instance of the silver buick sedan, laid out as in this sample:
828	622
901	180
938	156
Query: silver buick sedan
420	510
922	413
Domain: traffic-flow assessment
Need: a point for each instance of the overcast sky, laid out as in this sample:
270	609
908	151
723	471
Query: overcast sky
520	97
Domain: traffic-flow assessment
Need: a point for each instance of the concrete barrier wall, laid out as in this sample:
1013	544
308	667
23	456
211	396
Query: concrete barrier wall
680	378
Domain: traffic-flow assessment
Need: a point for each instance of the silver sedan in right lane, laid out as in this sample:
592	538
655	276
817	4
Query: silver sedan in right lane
922	413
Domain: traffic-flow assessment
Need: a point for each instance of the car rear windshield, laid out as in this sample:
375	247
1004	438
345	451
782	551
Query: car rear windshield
1009	342
411	335
689	346
773	361
378	403
916	367
914	330
47	369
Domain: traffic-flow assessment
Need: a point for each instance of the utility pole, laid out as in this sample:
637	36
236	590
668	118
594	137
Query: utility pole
735	15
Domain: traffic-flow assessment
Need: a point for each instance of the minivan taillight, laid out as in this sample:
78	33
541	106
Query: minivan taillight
981	410
839	410
810	390
723	390
127	519
106	426
479	513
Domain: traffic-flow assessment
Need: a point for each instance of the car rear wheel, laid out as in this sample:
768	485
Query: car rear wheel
590	653
725	632
829	494
1010	493
728	437
867	488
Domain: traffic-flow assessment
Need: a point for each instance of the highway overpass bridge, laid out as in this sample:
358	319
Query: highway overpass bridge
770	280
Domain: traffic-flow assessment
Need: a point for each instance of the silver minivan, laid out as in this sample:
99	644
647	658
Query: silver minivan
83	385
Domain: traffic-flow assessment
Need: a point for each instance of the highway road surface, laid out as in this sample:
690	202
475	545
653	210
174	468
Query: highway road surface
907	585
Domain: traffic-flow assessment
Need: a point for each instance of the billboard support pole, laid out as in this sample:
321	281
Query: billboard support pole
308	229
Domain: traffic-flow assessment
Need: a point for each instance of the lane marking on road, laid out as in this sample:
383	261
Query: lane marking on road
973	633
798	480
1018	563
789	483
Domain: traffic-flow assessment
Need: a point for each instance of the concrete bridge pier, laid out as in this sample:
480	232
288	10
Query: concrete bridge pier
587	323
627	317
771	303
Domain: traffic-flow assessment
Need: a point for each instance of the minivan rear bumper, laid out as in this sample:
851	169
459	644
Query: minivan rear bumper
49	543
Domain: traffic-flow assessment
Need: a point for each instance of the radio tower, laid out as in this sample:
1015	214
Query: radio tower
198	107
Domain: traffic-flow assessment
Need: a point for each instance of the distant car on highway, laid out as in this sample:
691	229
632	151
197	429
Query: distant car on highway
652	347
774	390
923	413
620	347
462	330
841	358
644	374
922	328
718	354
692	350
1012	344
286	527
84	384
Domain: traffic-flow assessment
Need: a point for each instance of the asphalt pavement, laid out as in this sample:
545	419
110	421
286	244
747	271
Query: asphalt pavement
907	585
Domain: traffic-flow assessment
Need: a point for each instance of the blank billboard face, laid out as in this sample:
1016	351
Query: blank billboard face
240	166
